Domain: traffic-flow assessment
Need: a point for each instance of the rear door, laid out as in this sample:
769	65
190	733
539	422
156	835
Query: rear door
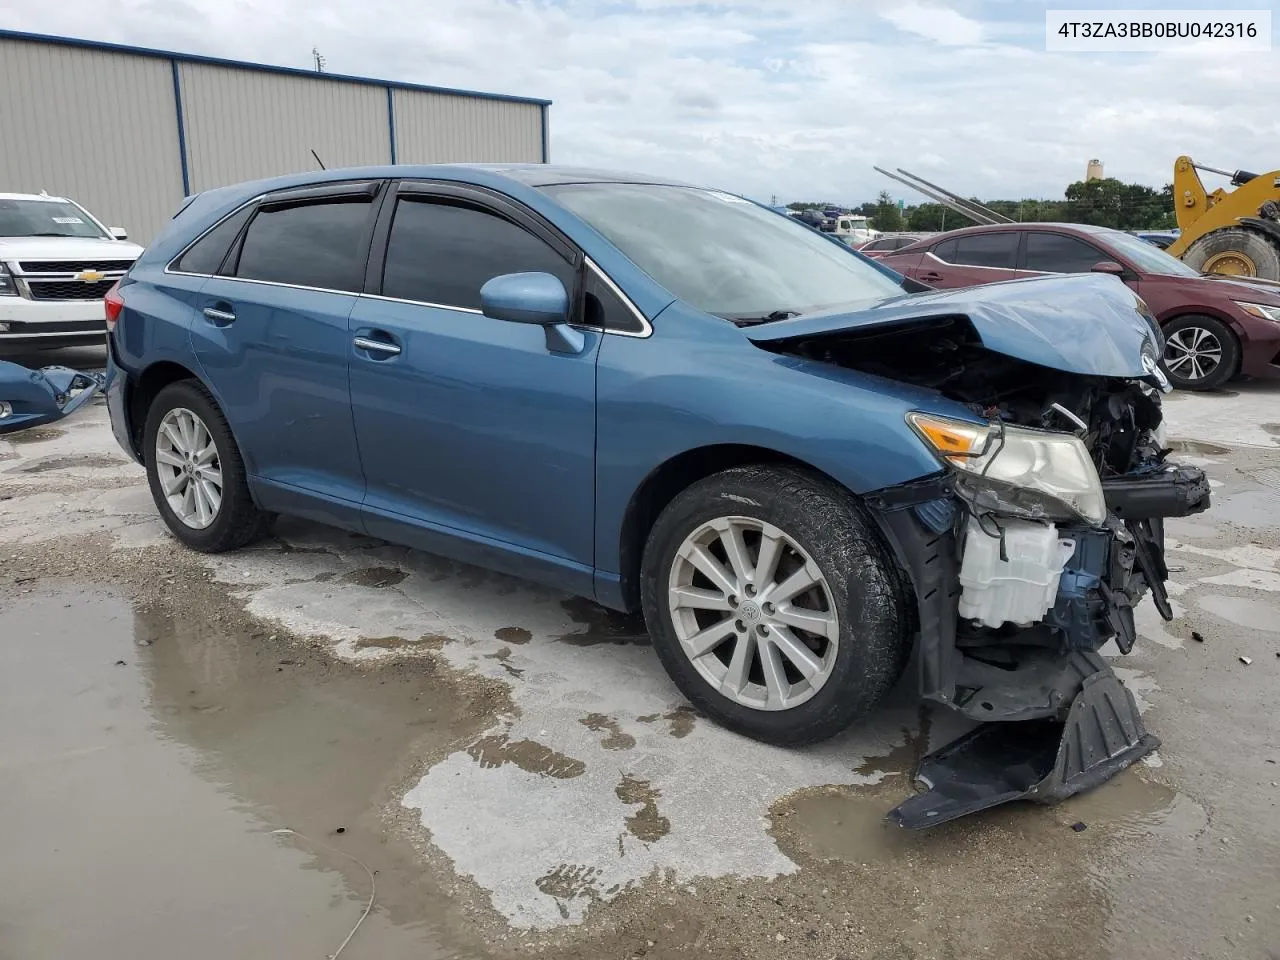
271	336
970	259
472	430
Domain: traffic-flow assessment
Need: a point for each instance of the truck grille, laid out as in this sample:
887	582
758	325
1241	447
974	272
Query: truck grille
68	289
73	266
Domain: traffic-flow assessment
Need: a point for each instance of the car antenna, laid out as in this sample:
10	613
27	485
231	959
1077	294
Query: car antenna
318	160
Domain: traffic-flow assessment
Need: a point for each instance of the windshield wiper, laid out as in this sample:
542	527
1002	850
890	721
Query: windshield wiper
768	318
67	235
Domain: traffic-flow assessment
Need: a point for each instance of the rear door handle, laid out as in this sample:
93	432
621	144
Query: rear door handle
376	346
219	317
930	276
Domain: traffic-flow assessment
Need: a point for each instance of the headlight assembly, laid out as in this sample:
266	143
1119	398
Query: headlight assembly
1034	474
1263	311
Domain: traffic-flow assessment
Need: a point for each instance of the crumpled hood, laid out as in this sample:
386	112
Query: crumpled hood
66	248
1090	324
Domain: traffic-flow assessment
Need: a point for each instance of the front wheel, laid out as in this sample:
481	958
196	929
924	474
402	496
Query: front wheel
1200	353
196	475
774	605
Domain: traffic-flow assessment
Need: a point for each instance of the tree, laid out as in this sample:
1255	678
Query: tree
887	216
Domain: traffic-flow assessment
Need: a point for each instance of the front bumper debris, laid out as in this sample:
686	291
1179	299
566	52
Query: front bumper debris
1040	760
1054	718
32	398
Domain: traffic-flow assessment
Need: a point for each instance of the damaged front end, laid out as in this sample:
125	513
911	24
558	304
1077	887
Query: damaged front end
32	398
1028	552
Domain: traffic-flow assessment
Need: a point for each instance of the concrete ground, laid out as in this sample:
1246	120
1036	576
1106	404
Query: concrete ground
227	756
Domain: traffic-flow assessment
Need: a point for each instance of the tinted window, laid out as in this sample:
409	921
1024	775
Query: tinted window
946	251
985	250
207	255
440	253
313	245
602	307
1058	253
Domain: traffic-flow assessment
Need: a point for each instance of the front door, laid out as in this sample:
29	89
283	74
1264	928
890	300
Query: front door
271	335
471	429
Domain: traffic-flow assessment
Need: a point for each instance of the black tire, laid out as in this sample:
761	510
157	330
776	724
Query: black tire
1180	332
238	521
865	585
1261	250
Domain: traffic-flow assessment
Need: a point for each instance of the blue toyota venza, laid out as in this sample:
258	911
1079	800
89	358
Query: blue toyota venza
798	464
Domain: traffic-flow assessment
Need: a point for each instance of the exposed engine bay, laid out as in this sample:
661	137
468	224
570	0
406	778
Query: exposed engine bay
1026	556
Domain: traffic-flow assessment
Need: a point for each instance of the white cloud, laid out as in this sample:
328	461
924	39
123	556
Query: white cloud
790	97
933	22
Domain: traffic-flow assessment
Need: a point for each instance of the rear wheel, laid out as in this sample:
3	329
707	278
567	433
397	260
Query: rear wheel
1236	252
1200	353
773	604
196	475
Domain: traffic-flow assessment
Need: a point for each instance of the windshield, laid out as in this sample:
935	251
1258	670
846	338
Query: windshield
722	254
1149	258
45	218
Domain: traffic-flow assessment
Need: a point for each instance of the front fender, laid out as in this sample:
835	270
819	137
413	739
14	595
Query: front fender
37	397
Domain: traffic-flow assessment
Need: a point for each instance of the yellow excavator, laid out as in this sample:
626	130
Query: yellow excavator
1236	231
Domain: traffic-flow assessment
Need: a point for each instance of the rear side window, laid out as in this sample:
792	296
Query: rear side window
1058	253
443	253
209	251
982	250
310	245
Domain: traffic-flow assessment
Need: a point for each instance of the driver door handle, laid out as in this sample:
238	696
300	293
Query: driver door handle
376	346
220	317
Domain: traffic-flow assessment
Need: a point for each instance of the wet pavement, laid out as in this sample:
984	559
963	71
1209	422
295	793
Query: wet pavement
520	777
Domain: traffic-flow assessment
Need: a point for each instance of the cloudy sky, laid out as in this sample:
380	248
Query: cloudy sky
797	98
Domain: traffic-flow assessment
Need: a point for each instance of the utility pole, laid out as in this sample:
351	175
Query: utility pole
317	59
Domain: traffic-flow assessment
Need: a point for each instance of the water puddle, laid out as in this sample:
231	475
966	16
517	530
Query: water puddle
35	435
152	760
1199	446
72	463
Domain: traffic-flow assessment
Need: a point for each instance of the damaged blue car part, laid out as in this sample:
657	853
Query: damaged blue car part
32	398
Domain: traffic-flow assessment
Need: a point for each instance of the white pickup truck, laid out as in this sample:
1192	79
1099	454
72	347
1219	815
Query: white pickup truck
57	261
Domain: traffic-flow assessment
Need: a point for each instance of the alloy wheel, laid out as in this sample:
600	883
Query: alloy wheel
1192	353
189	468
753	613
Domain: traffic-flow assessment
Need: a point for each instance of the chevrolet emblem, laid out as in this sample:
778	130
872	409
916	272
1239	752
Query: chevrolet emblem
89	276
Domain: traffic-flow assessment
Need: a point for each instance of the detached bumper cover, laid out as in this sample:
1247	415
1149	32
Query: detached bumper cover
1055	718
37	397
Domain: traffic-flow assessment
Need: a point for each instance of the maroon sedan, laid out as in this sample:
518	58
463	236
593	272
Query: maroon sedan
1215	327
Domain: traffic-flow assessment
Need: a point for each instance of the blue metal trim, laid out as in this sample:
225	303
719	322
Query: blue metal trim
546	135
182	132
391	122
263	67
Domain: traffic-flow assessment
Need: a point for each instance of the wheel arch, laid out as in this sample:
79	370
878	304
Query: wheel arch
1212	314
666	481
145	387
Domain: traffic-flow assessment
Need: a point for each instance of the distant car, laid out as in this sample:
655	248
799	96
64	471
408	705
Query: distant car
669	399
1159	238
57	261
888	243
1215	327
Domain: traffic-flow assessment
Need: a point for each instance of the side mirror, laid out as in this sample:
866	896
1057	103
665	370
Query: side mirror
118	233
1109	266
537	298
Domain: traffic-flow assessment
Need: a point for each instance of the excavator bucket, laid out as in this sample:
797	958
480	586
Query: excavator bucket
1045	761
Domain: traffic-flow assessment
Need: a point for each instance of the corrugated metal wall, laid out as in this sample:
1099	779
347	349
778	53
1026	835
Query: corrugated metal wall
95	126
245	124
101	125
439	128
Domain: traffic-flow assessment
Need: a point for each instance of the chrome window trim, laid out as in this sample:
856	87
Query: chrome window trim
423	303
967	266
646	328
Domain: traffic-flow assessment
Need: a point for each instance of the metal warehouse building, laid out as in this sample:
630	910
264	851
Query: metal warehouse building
128	131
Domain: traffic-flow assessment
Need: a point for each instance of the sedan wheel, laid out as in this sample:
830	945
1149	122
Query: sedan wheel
1193	353
1200	353
753	613
189	469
